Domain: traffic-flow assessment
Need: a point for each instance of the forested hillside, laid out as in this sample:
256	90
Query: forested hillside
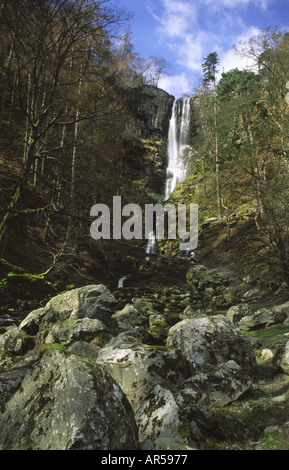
70	122
239	167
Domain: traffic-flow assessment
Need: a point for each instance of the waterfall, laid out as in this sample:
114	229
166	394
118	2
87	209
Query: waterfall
178	144
121	280
178	149
151	247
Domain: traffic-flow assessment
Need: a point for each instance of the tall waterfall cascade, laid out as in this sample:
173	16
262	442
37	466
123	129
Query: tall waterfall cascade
178	153
178	147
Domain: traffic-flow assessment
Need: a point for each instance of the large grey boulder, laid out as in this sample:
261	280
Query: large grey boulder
137	370
84	329
95	301
158	421
210	341
66	403
164	424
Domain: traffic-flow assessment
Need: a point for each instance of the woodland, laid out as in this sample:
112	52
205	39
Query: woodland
68	75
186	354
69	140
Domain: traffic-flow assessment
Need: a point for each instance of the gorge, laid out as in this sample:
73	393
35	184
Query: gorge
170	357
125	343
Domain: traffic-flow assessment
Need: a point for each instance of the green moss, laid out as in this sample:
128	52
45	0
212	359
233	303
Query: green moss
185	429
51	347
275	441
269	335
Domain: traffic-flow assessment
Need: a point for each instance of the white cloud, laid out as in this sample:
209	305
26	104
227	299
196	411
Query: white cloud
176	18
237	3
176	85
191	29
230	59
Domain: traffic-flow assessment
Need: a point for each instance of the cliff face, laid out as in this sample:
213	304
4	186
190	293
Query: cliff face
152	108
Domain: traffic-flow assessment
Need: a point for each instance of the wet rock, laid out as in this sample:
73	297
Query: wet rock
153	111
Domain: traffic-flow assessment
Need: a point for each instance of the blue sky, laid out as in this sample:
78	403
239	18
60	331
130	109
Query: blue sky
183	32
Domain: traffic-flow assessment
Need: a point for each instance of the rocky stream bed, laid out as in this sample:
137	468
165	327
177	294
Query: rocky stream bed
177	359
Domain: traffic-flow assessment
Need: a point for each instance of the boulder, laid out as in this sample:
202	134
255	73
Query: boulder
15	342
164	424
237	312
66	403
138	370
158	419
95	301
218	387
129	318
261	319
210	341
84	329
281	358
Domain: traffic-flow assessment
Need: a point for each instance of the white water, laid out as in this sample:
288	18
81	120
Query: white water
151	247
178	149
177	144
121	280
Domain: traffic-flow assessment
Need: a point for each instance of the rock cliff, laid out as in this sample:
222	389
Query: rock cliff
152	108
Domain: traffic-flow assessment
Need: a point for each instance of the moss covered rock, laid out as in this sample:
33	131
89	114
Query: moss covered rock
66	403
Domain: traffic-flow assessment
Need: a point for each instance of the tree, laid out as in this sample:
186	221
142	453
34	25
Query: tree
254	122
238	93
157	68
58	47
209	68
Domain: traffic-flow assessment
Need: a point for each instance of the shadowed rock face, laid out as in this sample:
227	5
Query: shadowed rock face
153	109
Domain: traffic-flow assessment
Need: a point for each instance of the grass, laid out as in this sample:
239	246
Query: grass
273	440
269	335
